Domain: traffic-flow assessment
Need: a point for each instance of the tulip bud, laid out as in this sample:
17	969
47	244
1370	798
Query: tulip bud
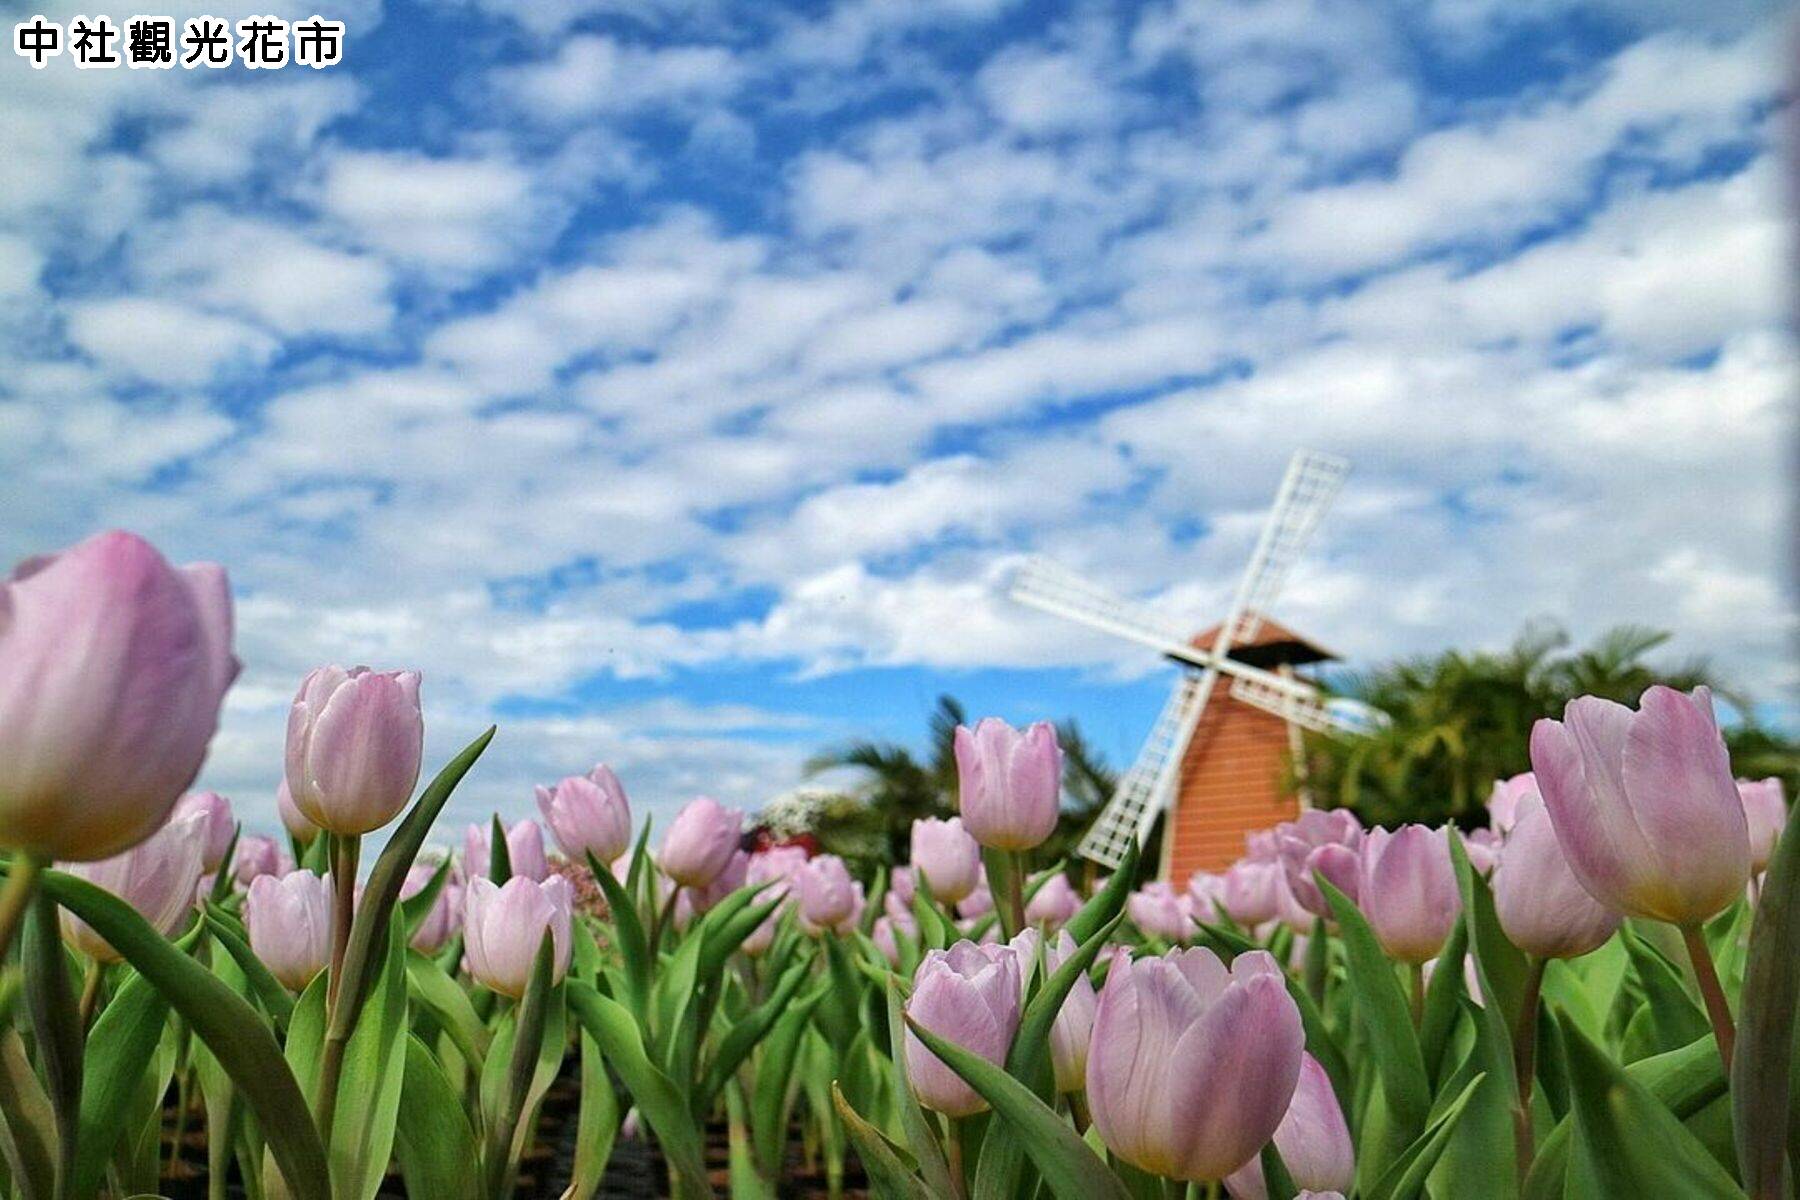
1171	1035
289	922
1325	842
948	858
354	740
1542	907
524	850
1644	804
1157	912
445	917
1408	891
1766	814
978	903
588	814
1483	849
968	998
700	842
113	665
1503	802
886	935
775	865
258	855
902	886
1054	903
1313	1138
293	820
1201	901
824	894
1073	1030
215	816
503	927
1010	783
733	877
158	877
1249	891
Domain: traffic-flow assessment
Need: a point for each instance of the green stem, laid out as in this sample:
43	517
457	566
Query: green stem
664	916
953	1157
1525	1063
1718	1009
1416	977
21	882
345	849
1015	891
90	991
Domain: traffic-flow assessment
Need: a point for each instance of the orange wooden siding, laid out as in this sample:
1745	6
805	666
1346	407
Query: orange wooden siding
1231	785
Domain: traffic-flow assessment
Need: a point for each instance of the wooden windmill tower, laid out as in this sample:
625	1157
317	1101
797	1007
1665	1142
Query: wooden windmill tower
1221	760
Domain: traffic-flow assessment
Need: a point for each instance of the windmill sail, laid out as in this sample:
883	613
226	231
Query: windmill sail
1140	794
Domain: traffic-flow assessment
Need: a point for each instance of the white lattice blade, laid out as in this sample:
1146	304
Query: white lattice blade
1308	713
1143	789
1307	491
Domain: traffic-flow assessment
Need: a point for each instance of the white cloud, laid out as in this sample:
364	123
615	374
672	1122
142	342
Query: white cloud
597	75
164	342
456	215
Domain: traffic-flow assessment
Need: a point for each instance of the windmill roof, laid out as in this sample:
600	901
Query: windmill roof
1272	644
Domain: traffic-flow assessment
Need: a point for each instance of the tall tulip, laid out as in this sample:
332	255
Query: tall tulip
971	999
1408	891
158	877
1542	907
524	850
1174	1034
1313	1138
948	858
824	894
503	927
1765	814
1054	903
289	922
1073	1030
113	665
1009	782
354	741
588	814
1647	812
700	842
214	812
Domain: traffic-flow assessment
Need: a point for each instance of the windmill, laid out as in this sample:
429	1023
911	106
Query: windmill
1306	491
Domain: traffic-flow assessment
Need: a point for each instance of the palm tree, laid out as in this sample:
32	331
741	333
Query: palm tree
1459	719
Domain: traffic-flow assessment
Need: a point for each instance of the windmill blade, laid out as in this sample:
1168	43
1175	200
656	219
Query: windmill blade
1307	490
1306	712
1144	789
1049	586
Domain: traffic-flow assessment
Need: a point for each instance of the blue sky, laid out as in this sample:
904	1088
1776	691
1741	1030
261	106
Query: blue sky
678	381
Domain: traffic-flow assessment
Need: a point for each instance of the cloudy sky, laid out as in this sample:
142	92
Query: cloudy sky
675	381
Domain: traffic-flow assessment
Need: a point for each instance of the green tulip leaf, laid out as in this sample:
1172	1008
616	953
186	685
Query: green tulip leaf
55	1026
628	936
1277	1181
1110	901
417	907
737	1044
1405	1179
433	1141
596	1122
1762	1067
445	999
774	1072
269	991
890	1177
119	1049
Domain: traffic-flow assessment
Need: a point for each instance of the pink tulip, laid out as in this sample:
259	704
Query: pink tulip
354	740
1073	1031
1542	907
1204	892
1010	783
971	999
1313	1138
588	814
1172	1035
1765	813
504	926
258	855
948	858
1503	803
1250	890
113	665
824	894
902	886
1323	842
1158	912
700	842
445	917
733	877
1483	849
978	903
1644	804
524	850
1408	891
1055	902
214	812
776	866
289	922
886	933
159	877
293	820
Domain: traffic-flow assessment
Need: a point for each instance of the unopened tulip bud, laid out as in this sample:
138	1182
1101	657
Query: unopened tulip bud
1644	804
158	877
445	917
1054	903
1158	912
258	855
1483	848
824	894
588	814
886	935
1009	782
1503	802
1543	908
113	665
1313	1138
978	903
1171	1035
524	850
1321	842
1073	1030
503	927
354	740
293	820
700	842
948	858
1204	891
965	997
215	816
1766	814
1408	891
289	922
1249	891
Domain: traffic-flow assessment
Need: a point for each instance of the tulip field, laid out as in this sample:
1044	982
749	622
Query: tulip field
1592	997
